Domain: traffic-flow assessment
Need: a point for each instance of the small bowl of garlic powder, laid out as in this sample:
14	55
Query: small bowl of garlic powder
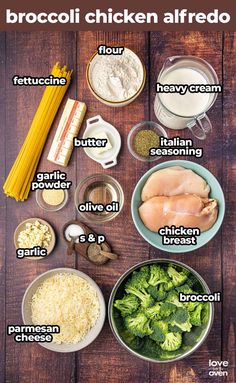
116	80
51	199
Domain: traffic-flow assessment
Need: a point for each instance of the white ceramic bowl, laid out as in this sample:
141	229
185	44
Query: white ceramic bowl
91	335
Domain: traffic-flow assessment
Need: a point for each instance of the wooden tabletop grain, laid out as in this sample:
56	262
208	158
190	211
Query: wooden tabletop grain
105	361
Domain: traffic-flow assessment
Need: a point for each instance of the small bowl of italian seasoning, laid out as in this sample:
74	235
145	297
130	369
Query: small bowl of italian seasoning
143	137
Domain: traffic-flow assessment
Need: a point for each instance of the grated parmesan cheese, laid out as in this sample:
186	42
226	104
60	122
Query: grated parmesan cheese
68	301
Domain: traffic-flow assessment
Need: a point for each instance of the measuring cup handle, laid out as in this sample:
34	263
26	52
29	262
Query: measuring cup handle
109	164
94	119
200	126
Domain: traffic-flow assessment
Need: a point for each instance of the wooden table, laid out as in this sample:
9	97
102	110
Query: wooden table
105	361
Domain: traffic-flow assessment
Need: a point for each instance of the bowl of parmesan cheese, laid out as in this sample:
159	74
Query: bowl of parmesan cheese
69	300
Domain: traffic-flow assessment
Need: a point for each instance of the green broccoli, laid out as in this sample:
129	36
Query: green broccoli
181	315
163	326
157	292
184	327
191	306
173	297
173	341
178	278
150	348
127	305
138	325
167	309
163	354
160	328
152	320
145	271
131	340
195	316
185	289
157	275
181	319
153	311
167	286
139	291
138	280
205	313
174	328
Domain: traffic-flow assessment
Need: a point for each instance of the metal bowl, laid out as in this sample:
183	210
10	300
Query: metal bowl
118	290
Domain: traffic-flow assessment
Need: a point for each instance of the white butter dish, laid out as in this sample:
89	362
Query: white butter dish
97	127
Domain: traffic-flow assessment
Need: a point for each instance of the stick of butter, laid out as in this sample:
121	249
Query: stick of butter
68	128
102	136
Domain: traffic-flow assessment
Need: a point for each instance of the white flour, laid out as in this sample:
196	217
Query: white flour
116	77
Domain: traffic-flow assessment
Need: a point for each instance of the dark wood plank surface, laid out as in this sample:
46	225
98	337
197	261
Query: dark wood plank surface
105	360
229	184
2	205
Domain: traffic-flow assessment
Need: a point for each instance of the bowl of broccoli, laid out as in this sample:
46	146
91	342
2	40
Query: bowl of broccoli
147	317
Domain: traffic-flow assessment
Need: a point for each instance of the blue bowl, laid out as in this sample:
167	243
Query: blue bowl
154	238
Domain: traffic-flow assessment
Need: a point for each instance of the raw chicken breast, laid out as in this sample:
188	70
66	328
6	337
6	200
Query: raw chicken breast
188	210
172	181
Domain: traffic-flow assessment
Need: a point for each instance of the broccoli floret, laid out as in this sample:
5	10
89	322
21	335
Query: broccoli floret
195	316
178	278
185	289
141	293
146	272
160	328
181	315
167	286
181	319
163	354
184	327
127	305
138	280
157	335
205	313
157	292
167	309
163	326
157	275
131	340
173	297
150	348
191	306
174	328
173	341
153	311
138	325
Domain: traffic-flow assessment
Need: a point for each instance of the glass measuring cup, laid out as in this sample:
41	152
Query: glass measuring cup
198	123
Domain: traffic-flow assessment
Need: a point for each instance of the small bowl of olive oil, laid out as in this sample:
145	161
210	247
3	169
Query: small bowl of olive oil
99	198
143	137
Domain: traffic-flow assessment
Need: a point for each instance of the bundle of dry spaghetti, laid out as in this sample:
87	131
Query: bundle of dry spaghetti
18	182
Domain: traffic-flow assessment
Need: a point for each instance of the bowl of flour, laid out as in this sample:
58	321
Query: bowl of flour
116	80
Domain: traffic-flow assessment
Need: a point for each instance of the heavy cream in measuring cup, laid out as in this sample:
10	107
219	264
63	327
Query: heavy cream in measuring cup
183	106
188	104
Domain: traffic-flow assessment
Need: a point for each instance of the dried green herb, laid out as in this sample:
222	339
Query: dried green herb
144	141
